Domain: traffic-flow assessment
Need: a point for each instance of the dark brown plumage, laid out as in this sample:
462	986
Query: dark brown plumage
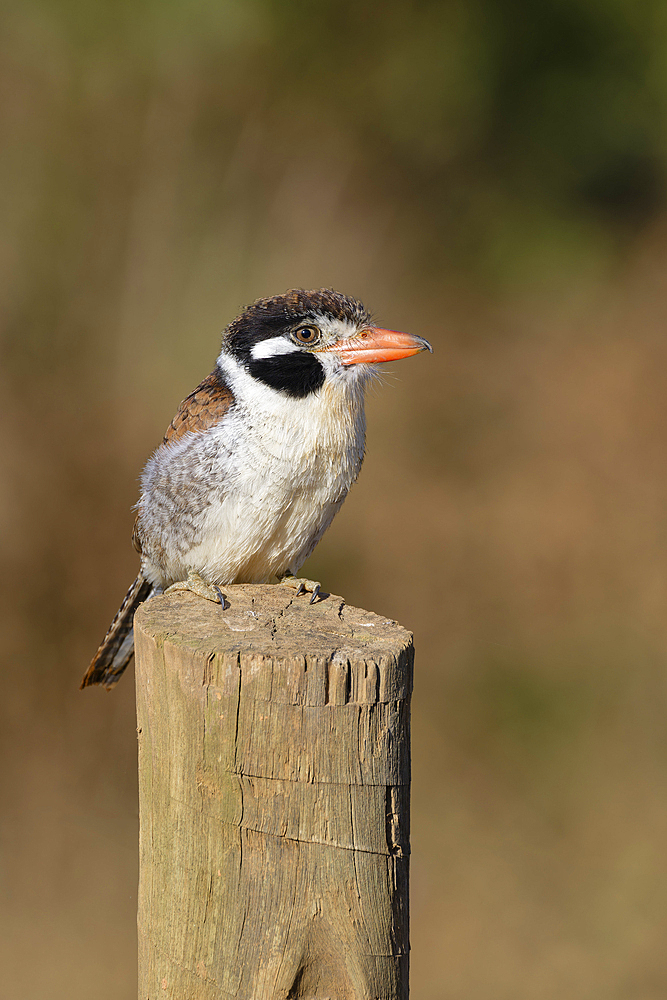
205	406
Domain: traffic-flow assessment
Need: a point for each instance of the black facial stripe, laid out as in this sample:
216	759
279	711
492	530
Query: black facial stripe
296	374
250	333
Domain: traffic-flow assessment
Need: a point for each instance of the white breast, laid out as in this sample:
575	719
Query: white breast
277	471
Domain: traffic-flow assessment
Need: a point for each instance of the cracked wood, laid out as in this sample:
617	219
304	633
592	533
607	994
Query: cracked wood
274	775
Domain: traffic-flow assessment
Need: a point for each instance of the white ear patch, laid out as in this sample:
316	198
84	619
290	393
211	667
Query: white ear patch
272	347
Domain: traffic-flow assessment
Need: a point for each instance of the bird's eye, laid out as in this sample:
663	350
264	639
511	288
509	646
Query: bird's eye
306	335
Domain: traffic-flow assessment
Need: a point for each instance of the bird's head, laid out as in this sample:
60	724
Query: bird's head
296	341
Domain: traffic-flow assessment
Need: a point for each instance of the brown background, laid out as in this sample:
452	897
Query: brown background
489	175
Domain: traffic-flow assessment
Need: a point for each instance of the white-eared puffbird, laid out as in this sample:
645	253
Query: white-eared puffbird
258	459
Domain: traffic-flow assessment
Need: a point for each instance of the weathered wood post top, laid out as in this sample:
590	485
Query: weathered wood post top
274	769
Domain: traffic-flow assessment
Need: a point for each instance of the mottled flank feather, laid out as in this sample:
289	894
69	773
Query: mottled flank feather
136	537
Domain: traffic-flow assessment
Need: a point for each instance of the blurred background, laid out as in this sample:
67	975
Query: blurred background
489	174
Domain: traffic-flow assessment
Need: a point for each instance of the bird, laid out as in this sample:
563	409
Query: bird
259	457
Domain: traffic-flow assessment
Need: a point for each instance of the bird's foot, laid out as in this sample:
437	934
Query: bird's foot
196	585
303	586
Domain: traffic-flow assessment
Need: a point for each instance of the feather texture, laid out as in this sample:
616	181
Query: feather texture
117	647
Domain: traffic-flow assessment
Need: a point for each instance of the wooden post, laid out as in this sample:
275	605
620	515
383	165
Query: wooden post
274	768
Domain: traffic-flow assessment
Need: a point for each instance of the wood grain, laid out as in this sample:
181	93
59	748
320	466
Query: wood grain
274	771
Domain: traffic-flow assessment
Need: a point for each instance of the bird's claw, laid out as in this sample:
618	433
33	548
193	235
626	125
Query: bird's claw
196	585
222	597
303	587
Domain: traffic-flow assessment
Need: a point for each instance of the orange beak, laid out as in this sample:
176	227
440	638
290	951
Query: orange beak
374	345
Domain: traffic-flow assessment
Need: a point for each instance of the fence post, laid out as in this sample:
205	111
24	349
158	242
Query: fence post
274	769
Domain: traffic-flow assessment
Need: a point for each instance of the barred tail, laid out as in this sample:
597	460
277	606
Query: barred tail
117	647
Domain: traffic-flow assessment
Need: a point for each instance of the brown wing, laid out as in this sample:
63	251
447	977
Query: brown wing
202	408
